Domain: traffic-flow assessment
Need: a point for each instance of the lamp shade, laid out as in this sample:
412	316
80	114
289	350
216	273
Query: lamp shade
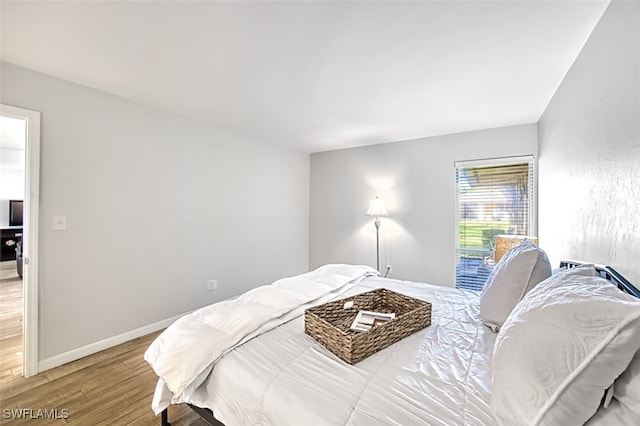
376	208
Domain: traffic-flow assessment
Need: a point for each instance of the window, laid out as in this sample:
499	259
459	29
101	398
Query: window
494	197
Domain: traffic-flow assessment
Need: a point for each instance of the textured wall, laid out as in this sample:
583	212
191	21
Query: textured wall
589	138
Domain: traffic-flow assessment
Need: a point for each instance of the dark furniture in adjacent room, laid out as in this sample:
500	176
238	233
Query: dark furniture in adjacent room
19	258
10	236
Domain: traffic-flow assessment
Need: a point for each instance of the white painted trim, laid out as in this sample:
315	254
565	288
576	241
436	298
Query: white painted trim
30	236
498	161
101	345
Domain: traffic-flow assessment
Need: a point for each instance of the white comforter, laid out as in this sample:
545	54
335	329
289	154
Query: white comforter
438	376
184	354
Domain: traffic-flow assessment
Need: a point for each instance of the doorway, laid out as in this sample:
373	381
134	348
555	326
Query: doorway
20	149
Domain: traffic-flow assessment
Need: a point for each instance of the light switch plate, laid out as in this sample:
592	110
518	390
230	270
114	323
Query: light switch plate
59	223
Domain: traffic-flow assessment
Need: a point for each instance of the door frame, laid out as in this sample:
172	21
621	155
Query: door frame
29	236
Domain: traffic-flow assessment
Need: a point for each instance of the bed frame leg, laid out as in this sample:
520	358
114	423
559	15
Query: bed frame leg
165	417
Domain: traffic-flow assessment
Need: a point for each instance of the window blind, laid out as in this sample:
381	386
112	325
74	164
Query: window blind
493	198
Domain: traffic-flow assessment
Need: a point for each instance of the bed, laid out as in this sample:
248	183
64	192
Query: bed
248	361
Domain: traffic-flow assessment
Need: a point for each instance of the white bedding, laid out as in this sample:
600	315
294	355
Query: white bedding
184	354
440	375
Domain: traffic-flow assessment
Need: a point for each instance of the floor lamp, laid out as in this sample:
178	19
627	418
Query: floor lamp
376	208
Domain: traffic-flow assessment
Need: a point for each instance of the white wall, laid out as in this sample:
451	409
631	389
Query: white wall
590	150
156	206
11	179
416	180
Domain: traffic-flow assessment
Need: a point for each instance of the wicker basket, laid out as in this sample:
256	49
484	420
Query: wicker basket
329	323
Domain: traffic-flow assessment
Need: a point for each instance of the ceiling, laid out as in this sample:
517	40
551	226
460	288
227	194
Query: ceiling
313	76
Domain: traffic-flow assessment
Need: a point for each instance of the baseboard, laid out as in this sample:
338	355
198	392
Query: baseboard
92	348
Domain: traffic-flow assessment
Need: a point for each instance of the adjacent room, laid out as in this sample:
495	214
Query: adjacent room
320	212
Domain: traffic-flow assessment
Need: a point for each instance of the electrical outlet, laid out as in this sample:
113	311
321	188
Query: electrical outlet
59	223
212	285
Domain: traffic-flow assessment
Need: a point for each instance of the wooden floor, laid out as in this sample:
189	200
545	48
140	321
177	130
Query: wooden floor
112	387
10	322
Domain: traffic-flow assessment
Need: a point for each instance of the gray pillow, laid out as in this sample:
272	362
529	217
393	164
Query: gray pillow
519	270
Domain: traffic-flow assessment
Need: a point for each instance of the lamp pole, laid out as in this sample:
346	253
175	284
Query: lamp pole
377	223
376	209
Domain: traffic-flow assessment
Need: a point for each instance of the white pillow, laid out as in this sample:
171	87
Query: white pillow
519	270
615	414
562	346
627	387
586	270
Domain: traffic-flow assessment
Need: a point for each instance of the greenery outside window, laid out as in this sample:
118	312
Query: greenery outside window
494	197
